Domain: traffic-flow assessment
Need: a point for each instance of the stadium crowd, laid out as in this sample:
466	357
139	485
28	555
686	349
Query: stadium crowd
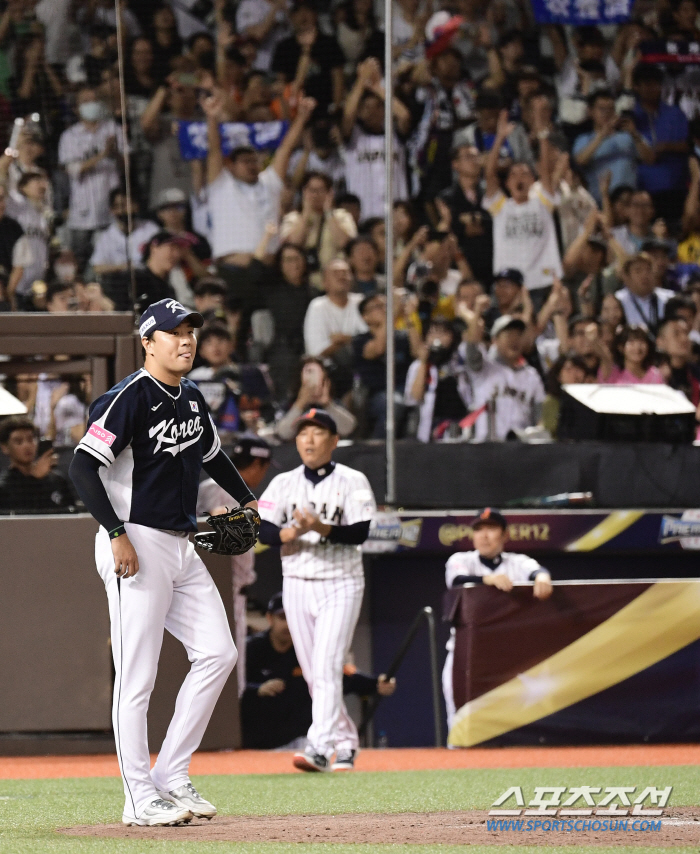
546	211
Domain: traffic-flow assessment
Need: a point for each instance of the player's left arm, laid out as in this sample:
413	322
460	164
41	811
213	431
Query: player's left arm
222	470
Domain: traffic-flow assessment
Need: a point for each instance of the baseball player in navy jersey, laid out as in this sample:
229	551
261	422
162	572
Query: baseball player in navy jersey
489	564
137	470
320	513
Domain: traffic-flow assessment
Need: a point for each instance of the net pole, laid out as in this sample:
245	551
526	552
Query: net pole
125	150
389	256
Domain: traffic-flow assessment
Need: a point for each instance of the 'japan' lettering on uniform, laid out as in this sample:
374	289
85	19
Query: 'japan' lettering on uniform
151	443
344	497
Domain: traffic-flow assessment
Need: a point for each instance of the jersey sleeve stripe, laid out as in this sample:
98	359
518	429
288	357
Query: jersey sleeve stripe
216	447
98	454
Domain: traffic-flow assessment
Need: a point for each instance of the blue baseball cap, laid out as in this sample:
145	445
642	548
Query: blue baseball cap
166	314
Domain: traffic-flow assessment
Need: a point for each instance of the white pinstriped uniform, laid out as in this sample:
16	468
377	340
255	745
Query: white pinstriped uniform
517	567
322	590
364	170
89	193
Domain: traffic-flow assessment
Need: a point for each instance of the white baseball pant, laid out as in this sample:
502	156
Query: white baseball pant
447	686
322	615
172	590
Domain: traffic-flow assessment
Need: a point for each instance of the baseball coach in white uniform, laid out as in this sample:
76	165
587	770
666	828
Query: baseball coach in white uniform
489	564
319	514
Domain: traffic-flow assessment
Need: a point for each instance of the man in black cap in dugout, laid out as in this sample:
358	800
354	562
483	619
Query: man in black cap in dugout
489	564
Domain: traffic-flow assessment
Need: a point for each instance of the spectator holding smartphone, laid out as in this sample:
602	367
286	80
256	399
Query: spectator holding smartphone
30	484
614	145
314	388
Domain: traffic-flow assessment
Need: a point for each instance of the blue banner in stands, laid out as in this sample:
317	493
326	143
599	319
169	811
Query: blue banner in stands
265	136
581	12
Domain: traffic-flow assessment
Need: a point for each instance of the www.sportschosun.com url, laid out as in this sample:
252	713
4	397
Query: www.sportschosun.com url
564	825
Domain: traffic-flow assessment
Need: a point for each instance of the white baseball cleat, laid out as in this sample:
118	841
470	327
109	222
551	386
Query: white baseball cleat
311	761
160	813
345	760
189	798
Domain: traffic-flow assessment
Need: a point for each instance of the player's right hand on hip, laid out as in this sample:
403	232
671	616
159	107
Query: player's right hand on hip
126	562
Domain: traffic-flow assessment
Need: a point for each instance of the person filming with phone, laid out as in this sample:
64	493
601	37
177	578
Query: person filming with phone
314	388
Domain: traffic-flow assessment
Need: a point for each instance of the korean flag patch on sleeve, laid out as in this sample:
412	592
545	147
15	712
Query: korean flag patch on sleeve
194	405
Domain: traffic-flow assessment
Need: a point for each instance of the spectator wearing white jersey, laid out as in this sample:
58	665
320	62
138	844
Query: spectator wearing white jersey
90	153
503	377
362	128
27	205
524	234
236	183
13	164
15	251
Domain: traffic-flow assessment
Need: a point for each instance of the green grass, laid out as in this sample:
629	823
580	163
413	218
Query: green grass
31	810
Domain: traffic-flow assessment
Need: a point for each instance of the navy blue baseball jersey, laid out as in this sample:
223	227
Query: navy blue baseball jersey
152	441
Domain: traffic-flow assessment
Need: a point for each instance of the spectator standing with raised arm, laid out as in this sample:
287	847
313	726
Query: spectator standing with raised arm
524	234
322	230
27	205
464	212
362	128
15	251
236	183
90	153
311	61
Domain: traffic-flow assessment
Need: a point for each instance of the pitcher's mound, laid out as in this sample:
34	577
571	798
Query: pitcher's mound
679	827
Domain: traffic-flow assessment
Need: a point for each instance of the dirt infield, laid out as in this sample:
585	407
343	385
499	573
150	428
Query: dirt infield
414	759
679	827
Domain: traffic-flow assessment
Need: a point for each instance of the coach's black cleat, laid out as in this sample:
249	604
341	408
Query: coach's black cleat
310	761
344	760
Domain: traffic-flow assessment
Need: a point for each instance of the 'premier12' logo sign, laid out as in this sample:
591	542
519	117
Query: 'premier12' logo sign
615	801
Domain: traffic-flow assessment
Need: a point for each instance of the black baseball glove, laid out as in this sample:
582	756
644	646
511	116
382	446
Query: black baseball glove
235	532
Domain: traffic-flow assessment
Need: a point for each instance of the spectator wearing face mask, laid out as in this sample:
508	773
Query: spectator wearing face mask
90	153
